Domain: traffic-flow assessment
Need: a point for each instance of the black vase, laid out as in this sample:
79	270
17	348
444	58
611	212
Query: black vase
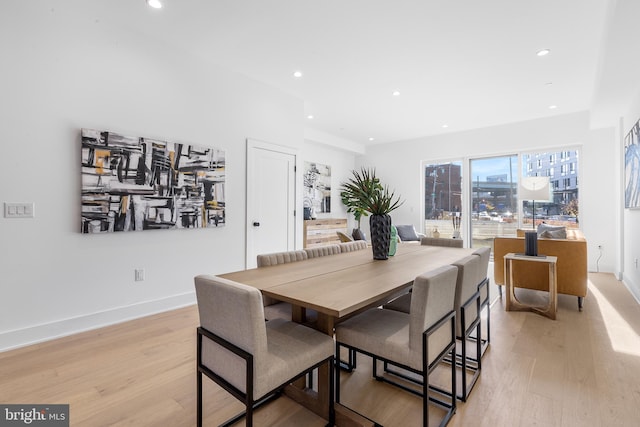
380	235
531	243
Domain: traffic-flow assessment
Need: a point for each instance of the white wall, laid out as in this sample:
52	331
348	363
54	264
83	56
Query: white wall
63	72
398	165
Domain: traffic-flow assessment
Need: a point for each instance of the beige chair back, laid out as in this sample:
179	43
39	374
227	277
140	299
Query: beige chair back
438	241
432	298
276	258
265	260
234	312
356	245
466	287
321	251
484	254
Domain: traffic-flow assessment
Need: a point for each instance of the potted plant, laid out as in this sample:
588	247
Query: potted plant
365	193
352	193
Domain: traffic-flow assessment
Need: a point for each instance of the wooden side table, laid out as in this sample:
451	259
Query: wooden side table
512	303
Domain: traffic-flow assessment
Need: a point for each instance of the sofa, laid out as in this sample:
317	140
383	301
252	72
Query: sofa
571	267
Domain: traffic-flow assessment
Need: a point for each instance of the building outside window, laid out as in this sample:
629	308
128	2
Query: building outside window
563	209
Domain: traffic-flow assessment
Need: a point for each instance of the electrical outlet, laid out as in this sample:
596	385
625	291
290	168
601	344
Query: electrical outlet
19	210
139	274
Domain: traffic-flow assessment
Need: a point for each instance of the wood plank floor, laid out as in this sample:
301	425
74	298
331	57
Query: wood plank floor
580	370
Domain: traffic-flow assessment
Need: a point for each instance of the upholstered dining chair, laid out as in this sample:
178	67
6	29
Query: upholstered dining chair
356	245
248	357
275	258
483	287
321	251
417	341
275	309
467	306
442	241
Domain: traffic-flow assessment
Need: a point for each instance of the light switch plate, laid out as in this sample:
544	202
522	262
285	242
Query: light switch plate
19	210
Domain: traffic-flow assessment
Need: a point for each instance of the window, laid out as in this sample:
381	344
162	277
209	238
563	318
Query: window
491	205
443	197
562	207
494	198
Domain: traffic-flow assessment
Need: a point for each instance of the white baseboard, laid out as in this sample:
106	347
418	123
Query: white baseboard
633	287
61	328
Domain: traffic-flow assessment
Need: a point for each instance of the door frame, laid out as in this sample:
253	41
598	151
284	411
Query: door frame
252	145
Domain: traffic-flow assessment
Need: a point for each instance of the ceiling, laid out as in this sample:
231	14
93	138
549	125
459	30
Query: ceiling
463	64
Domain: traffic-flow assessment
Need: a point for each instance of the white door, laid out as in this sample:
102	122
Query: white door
270	199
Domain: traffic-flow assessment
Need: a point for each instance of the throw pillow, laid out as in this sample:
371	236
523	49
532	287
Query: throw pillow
407	233
552	231
554	234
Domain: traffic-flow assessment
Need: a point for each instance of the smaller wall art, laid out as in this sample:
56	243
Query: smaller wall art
134	183
317	188
632	167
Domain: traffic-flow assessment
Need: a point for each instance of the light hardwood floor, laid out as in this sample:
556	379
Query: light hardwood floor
581	370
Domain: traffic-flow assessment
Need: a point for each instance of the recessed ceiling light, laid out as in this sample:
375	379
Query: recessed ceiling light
543	52
445	126
396	93
154	4
297	74
553	107
371	138
310	116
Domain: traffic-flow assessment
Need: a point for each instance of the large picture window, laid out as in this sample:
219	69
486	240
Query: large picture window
488	201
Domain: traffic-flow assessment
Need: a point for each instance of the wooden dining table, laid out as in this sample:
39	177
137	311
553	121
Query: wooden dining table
337	287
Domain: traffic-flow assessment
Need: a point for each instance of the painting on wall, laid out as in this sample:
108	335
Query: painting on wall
135	183
632	167
317	189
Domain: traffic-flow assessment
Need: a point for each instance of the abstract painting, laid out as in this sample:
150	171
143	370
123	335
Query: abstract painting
135	183
317	187
632	167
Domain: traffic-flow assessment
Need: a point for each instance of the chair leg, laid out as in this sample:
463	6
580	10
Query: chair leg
463	341
580	300
310	380
199	399
425	399
336	371
488	322
332	411
249	402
